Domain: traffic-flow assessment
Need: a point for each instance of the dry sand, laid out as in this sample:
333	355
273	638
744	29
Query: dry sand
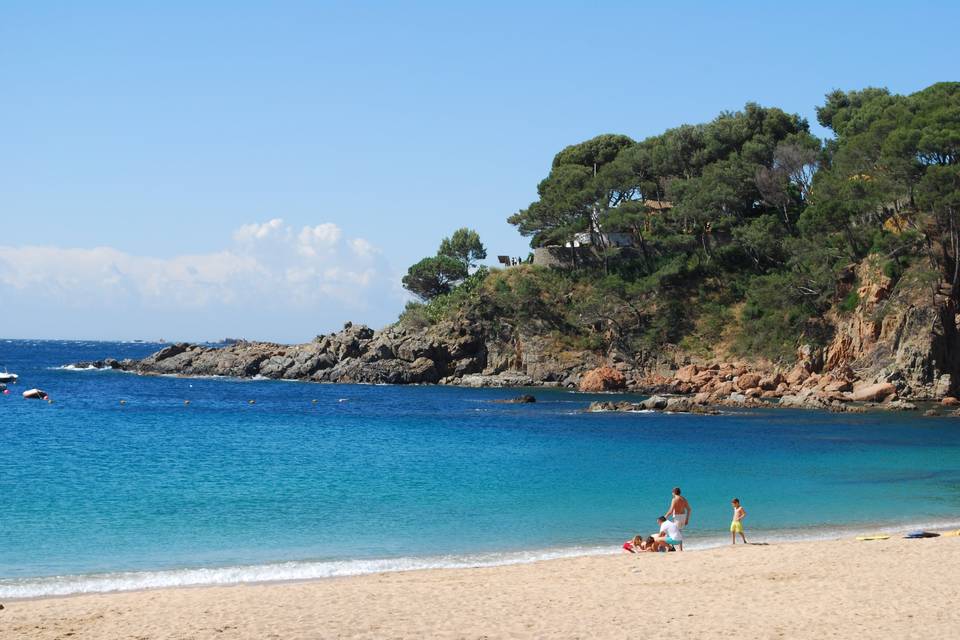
843	589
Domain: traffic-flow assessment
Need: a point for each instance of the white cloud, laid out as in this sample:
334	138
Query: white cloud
269	266
362	248
314	240
252	232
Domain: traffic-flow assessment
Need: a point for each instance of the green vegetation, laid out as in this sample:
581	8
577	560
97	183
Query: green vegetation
438	275
741	228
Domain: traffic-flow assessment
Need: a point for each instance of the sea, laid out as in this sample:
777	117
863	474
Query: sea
128	482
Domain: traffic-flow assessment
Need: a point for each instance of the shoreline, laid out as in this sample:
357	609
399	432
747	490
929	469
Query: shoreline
922	406
308	571
808	589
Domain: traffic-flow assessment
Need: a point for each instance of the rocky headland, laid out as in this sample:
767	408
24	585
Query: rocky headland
895	349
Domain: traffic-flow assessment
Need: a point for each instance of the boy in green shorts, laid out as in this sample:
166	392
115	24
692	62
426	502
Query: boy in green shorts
737	525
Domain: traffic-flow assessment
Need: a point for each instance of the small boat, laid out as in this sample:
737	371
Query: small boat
8	377
35	394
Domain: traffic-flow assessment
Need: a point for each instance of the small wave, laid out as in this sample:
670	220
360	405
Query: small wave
276	572
89	367
314	570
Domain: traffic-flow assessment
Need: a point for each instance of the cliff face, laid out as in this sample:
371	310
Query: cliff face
902	332
901	337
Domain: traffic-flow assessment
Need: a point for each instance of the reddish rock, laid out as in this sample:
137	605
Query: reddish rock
704	377
797	375
603	379
950	401
839	385
812	381
748	381
873	392
686	374
724	389
769	383
702	398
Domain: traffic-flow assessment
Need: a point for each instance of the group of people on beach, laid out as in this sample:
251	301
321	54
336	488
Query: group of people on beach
671	524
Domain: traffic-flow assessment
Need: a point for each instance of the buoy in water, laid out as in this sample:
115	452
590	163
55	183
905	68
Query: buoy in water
123	402
186	402
314	401
251	402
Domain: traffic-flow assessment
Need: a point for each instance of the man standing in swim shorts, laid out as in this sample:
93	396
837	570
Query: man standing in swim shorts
679	509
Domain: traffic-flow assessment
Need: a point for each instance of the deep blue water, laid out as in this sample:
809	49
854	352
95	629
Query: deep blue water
379	477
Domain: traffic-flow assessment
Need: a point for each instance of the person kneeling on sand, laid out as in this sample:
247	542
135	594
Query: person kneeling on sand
670	533
653	545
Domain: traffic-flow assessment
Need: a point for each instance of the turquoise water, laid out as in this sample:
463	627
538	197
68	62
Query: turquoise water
99	495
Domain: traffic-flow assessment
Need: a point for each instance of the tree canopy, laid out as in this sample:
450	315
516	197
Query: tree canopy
437	275
744	228
434	276
464	245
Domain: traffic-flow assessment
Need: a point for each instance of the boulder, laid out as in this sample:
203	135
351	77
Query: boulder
679	405
654	402
596	407
724	388
950	401
771	382
873	392
704	377
797	376
687	373
524	399
838	385
898	405
748	381
702	398
802	402
603	379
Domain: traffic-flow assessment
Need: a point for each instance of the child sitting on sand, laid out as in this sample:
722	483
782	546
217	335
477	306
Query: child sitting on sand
634	545
737	525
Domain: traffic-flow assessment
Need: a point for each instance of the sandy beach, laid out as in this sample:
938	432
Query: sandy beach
880	589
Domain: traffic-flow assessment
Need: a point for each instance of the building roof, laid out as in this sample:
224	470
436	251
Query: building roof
658	205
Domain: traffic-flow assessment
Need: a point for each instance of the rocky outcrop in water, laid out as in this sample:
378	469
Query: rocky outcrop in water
451	352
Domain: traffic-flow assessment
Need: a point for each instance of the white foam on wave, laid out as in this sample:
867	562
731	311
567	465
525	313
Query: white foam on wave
314	570
89	367
276	572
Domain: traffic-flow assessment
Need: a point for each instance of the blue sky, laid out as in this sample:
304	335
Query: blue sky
268	170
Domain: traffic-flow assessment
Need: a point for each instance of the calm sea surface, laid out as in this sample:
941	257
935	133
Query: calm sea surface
99	495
